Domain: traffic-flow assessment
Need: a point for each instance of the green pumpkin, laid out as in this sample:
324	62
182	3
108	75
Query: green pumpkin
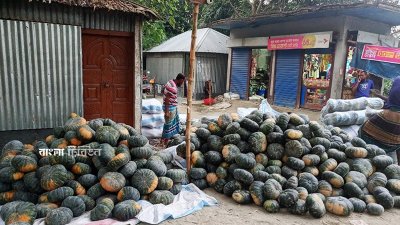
129	169
249	125
118	161
333	178
288	197
353	190
176	188
320	141
383	197
128	193
126	210
392	171
294	148
293	134
311	159
144	152
396	200
275	163
296	119
77	187
283	120
123	132
59	194
276	137
197	173
85	133
95	123
271	206
303	193
325	188
328	165
213	157
89	202
288	172
107	134
197	159
112	181
18	212
96	191
272	189
260	176
161	197
357	178
231	186
32	182
229	152
137	141
88	180
358	204
166	183
243	176
103	210
375	209
43	209
342	169
258	142
24	163
132	131
145	181
200	183
356	152
299	208
203	133
242	197
75	204
358	142
393	185
267	126
66	160
245	161
177	175
295	163
59	216
339	156
382	161
275	151
377	179
231	139
374	150
315	205
256	190
308	181
339	206
81	169
224	120
54	177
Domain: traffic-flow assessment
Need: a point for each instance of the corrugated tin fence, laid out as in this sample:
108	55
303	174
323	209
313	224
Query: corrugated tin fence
41	75
211	67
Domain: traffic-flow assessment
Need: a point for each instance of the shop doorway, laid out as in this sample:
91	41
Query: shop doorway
316	79
260	72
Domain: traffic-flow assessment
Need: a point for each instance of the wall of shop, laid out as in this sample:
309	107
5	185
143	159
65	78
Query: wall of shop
339	25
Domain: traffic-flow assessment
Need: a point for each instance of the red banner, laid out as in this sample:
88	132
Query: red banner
382	54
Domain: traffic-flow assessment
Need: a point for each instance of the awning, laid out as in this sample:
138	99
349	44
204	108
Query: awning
381	69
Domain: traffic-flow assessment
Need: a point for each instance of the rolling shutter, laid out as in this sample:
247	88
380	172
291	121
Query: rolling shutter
240	71
287	77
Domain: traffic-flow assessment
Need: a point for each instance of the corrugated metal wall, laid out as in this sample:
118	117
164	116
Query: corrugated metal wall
211	67
41	74
164	66
62	14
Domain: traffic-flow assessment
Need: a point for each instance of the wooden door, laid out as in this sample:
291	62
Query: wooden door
108	83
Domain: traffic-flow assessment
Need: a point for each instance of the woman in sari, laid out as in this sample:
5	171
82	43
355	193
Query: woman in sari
383	129
170	107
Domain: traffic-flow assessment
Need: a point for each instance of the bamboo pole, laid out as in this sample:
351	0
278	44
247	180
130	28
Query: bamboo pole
190	85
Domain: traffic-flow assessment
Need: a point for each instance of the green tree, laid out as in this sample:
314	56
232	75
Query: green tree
174	19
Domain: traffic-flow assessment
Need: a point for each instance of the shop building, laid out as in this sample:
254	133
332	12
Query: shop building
302	57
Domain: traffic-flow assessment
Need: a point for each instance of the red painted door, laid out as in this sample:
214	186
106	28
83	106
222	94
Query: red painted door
108	84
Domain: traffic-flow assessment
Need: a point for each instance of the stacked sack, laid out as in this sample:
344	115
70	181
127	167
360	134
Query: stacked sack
152	118
338	112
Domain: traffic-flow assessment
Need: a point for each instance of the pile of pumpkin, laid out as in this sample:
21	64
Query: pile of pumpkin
109	184
290	162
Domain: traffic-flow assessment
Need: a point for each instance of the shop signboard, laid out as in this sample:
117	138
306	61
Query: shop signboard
381	54
304	41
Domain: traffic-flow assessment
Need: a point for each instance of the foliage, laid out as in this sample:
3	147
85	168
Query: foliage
387	85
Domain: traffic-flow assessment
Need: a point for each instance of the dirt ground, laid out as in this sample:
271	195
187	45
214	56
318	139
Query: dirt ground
199	110
229	212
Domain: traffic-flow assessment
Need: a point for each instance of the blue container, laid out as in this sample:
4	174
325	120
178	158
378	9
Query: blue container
261	92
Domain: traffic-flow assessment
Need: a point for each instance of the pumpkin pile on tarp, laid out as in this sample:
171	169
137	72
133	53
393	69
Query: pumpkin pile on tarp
289	162
59	187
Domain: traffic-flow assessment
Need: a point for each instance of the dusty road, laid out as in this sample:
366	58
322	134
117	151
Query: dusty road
229	212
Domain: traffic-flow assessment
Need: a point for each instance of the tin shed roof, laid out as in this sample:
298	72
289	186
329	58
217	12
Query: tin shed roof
380	12
208	41
115	5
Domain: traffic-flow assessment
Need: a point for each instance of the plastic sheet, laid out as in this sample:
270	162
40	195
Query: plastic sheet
345	118
265	107
151	106
340	105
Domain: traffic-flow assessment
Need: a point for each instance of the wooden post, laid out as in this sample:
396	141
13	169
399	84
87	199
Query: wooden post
192	64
